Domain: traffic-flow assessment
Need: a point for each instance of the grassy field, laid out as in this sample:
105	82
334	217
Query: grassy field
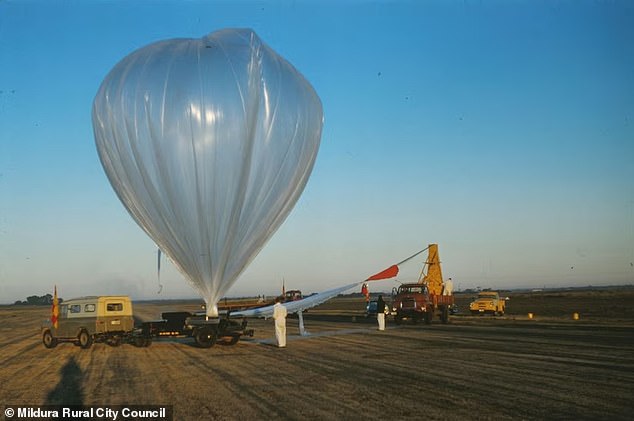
550	367
612	304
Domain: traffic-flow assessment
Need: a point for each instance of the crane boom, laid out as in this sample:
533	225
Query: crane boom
433	278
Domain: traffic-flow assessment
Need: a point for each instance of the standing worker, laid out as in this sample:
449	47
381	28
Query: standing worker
380	312
279	314
448	288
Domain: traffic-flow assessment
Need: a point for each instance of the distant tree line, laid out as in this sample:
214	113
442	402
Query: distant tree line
34	300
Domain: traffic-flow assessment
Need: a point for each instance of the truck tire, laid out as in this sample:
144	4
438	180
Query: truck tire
48	340
429	315
398	319
444	314
84	339
205	337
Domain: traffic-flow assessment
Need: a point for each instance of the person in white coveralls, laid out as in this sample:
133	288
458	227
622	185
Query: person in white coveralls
279	315
448	288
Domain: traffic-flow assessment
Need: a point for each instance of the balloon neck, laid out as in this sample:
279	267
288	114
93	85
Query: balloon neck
212	310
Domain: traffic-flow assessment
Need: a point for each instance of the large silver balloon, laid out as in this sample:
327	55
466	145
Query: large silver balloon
208	143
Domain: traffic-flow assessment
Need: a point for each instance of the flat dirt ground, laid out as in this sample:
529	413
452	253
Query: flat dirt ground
510	367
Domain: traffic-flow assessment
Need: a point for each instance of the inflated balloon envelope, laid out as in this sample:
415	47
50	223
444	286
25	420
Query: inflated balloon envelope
208	143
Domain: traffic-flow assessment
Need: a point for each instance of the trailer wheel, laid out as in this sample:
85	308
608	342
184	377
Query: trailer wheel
48	340
85	340
205	337
142	341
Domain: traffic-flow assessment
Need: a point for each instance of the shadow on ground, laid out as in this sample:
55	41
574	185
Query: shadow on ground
69	389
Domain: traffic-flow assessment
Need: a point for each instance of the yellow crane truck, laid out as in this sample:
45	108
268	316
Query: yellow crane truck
488	302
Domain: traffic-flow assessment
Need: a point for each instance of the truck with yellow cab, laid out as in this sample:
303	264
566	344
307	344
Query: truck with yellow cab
488	302
86	320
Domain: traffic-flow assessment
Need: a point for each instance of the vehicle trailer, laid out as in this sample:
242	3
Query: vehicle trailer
86	320
205	331
428	297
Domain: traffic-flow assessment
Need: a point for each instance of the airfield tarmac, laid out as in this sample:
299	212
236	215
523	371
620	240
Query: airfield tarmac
511	367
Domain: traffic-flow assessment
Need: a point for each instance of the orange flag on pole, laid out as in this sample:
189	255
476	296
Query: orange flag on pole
55	309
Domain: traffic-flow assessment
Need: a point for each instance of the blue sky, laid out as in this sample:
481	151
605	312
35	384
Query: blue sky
503	131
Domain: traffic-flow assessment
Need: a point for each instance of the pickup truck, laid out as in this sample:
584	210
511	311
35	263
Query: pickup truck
488	302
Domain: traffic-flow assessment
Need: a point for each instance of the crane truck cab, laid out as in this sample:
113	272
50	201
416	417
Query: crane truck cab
415	303
429	296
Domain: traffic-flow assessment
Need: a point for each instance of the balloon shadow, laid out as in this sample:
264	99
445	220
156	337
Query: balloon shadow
68	390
